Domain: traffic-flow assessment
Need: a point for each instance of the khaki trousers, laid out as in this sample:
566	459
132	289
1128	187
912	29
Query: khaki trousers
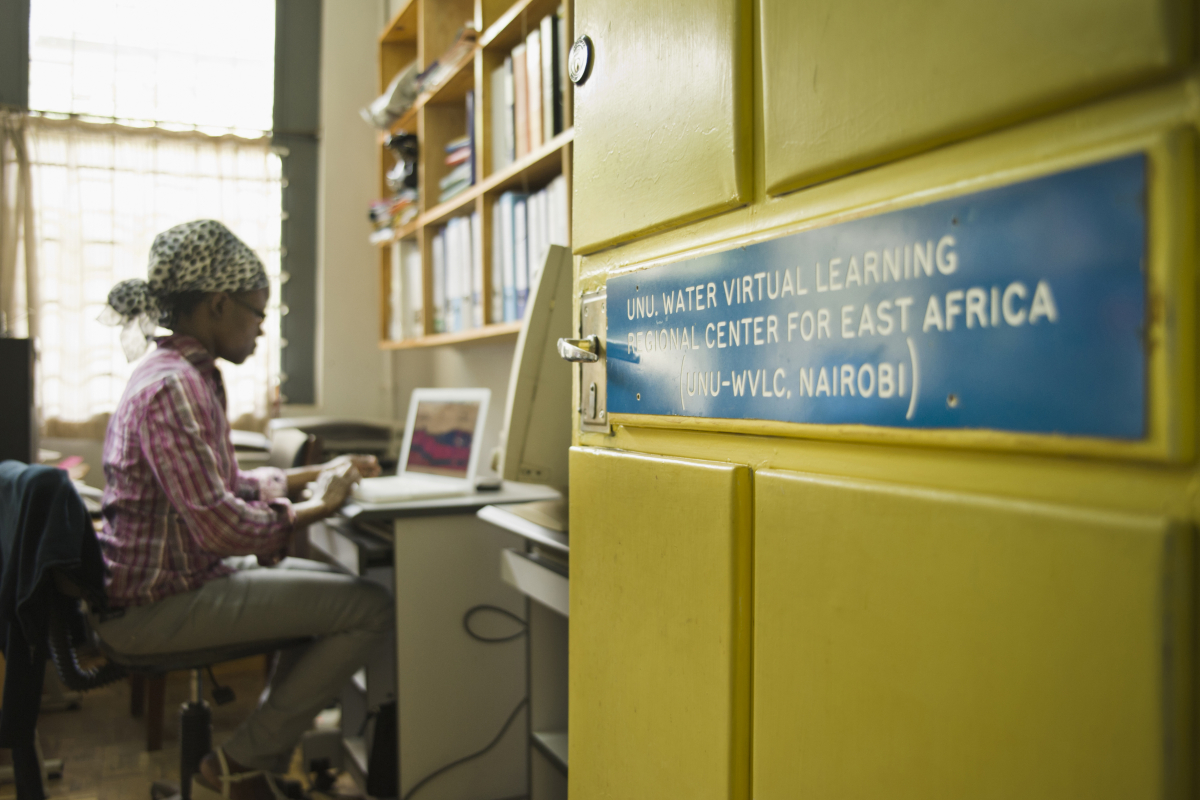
348	616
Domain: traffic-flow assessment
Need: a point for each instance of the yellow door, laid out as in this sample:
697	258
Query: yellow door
943	644
945	613
663	118
660	623
851	83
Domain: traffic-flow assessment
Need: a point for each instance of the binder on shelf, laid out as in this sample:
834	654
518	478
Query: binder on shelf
497	299
521	250
396	304
551	89
438	246
470	101
509	249
502	116
477	298
520	102
563	38
414	287
464	273
533	74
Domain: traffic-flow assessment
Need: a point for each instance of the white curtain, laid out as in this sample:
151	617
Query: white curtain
18	253
102	193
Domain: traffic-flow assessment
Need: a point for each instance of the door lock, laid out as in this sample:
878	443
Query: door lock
588	351
585	350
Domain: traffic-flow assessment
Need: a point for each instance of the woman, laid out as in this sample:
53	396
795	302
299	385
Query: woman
178	513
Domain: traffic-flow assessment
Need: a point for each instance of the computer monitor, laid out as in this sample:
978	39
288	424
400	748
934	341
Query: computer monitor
443	433
536	437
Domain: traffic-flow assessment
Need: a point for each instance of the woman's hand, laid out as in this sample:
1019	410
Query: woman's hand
334	482
329	491
367	466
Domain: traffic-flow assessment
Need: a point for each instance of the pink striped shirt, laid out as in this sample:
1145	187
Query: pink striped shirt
176	503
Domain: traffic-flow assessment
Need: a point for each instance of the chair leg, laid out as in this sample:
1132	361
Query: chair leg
156	690
137	695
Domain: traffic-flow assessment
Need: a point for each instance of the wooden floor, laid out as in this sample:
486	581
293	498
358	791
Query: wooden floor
103	748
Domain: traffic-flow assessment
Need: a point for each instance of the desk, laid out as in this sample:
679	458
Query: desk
453	693
541	572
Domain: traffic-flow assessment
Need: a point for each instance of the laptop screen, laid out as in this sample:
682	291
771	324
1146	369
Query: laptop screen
442	434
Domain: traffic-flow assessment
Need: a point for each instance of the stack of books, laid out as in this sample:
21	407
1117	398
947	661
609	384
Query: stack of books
523	228
527	93
458	276
389	214
460	157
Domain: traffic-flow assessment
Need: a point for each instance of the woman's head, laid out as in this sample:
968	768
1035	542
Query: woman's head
190	266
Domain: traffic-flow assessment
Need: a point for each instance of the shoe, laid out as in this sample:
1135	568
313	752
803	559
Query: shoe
202	792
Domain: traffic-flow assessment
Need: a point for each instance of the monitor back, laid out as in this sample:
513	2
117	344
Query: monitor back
537	434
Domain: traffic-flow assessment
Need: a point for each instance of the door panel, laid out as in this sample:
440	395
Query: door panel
852	83
659	648
949	645
662	122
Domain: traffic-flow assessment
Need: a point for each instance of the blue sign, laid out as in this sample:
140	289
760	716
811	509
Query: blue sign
1019	308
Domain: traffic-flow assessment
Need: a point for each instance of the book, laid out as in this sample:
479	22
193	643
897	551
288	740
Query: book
533	74
438	248
521	254
560	229
477	296
396	305
508	255
414	288
497	300
564	49
520	103
470	101
453	300
534	216
460	173
551	90
510	129
458	157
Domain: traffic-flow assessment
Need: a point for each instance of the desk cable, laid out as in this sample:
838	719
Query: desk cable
466	622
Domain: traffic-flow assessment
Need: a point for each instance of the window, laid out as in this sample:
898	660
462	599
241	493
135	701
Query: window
149	114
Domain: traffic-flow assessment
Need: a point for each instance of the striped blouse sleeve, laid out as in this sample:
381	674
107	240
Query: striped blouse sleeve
175	445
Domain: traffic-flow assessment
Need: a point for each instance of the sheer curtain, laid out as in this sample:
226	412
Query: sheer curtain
102	193
147	114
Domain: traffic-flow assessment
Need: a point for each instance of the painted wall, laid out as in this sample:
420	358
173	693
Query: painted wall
353	376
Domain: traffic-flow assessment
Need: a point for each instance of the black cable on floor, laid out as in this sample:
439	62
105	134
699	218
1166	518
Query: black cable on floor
524	702
471	612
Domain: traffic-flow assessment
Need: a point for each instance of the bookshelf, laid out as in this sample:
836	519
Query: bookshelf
424	31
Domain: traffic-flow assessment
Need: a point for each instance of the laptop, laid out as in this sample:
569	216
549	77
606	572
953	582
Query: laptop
442	440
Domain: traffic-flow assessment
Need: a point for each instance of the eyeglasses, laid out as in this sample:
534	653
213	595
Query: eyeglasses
260	313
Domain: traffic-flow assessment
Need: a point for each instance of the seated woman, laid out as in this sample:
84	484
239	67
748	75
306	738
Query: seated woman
194	546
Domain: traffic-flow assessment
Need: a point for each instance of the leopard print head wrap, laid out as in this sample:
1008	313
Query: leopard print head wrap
199	256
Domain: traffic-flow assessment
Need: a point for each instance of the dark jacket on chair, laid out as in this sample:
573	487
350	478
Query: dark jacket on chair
44	527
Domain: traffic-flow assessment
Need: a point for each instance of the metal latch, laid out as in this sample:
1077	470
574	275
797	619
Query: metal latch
588	352
580	349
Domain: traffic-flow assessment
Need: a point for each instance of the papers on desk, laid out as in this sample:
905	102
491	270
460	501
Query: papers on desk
517	518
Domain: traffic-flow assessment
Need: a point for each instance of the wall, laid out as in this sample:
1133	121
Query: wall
352	375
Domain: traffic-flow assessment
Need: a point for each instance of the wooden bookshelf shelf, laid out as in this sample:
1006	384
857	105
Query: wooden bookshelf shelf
423	31
512	26
487	333
402	27
534	169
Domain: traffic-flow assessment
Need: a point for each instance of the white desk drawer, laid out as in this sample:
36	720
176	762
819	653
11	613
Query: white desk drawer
541	579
